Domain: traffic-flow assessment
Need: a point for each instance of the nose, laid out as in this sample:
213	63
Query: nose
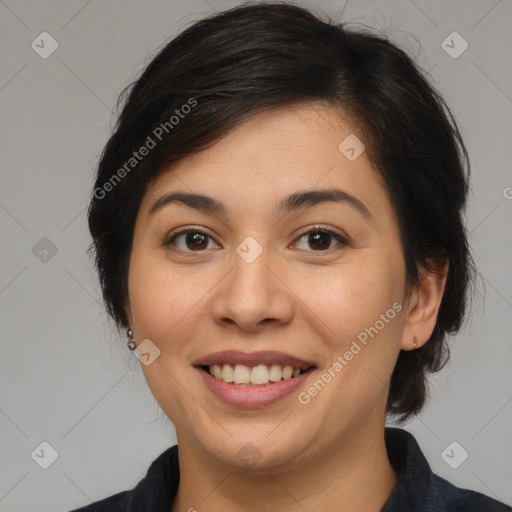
253	296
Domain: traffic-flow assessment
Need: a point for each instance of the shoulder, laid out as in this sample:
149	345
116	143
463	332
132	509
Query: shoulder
154	493
419	490
465	500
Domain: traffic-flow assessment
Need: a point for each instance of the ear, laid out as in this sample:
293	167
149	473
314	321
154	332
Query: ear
424	304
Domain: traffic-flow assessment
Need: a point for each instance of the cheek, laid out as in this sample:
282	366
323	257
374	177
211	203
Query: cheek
352	297
163	304
166	299
153	295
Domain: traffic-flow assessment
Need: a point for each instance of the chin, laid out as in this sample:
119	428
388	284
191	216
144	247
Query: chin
254	452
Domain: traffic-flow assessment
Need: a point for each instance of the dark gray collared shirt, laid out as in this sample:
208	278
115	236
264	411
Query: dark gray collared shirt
417	490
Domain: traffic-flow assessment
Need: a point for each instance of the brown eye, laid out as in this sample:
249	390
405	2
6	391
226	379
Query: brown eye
319	240
190	240
316	240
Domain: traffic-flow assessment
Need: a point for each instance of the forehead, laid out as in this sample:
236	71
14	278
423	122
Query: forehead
272	155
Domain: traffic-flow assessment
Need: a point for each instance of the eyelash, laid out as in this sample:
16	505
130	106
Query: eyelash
315	229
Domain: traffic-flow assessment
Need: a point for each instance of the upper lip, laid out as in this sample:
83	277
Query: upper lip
234	357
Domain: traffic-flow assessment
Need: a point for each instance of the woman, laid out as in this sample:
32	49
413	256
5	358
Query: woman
277	222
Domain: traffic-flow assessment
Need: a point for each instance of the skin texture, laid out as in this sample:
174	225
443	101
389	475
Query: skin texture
295	298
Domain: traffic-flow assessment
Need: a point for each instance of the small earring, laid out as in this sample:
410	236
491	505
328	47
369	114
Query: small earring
415	342
131	340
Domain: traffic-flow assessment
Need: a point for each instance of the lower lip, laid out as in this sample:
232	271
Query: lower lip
252	396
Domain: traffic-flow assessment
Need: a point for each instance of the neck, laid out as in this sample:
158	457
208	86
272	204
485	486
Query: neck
355	474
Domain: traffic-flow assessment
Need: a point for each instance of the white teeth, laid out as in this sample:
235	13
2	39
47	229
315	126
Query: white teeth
227	373
287	372
242	374
258	375
217	371
276	374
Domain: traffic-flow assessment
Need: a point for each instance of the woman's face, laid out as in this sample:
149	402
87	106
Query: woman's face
250	291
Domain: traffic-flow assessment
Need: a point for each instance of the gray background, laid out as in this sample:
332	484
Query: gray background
66	377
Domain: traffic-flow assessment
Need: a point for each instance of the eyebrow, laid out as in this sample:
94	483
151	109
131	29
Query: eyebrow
297	201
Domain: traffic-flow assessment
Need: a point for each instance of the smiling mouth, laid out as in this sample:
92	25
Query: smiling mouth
255	376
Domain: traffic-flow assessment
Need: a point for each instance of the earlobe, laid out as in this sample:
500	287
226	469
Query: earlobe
424	305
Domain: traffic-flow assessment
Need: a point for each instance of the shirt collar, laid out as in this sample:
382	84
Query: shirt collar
415	478
157	490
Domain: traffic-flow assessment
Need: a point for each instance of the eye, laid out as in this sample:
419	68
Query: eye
320	238
192	240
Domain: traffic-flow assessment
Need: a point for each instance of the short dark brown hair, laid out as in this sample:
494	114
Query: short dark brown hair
258	57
